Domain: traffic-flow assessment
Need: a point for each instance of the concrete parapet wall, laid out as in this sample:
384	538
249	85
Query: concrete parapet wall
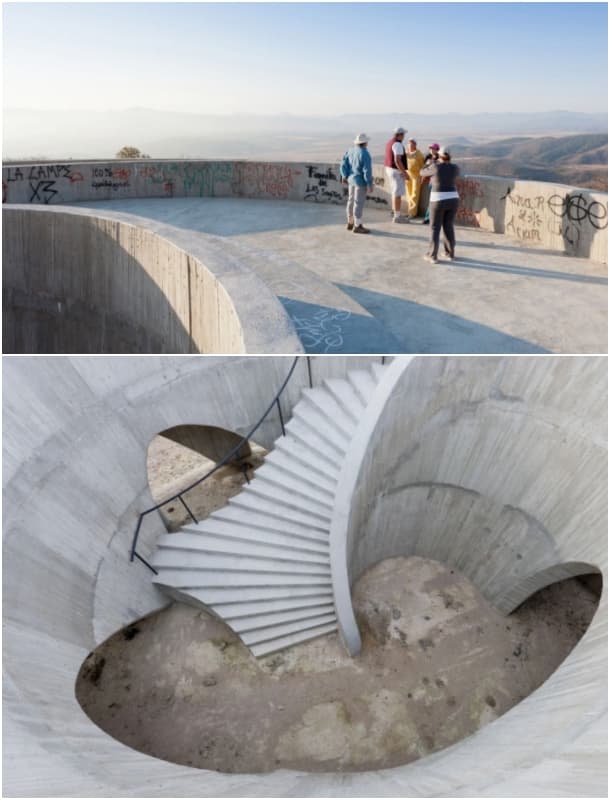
562	218
77	282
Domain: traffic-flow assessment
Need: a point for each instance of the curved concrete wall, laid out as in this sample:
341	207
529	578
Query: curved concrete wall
497	467
562	218
77	282
71	499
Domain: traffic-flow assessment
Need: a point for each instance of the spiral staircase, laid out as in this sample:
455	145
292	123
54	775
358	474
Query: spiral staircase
262	562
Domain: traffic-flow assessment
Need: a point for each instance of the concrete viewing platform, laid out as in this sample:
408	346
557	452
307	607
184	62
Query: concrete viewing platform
369	294
253	257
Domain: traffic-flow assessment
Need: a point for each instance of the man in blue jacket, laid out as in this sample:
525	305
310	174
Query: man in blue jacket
357	172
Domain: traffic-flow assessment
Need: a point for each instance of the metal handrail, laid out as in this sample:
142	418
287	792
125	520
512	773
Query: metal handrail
276	401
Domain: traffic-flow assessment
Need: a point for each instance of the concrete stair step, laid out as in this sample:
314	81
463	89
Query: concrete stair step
324	403
275	475
253	597
207	542
246	534
257	522
232	611
346	396
363	383
319	423
305	456
288	500
288	616
195	559
289	465
276	631
315	441
204	578
272	509
266	648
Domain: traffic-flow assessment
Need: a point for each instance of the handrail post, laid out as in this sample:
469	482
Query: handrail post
279	408
189	512
309	372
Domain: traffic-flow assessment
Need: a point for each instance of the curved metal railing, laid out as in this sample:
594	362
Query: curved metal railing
225	460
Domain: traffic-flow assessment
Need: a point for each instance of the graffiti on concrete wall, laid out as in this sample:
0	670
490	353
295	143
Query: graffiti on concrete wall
527	217
578	209
266	180
193	179
469	190
114	178
323	185
41	180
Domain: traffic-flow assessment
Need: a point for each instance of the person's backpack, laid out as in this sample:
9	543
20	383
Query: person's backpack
346	167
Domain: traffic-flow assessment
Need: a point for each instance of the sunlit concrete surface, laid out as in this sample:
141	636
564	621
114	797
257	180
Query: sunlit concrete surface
498	297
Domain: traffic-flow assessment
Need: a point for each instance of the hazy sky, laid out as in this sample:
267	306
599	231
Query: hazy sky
317	58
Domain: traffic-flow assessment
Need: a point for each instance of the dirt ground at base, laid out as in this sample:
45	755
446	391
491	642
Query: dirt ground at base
171	467
437	663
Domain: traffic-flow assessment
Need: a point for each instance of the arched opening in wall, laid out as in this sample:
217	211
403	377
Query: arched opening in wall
438	663
179	456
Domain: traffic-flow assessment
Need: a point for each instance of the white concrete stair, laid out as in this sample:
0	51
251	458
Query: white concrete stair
262	562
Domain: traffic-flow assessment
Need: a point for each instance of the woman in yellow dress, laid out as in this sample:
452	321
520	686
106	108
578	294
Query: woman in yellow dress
415	162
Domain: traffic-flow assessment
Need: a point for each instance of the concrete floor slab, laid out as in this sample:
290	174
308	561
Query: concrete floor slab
375	293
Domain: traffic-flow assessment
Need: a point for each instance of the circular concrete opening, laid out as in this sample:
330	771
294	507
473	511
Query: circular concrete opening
438	663
179	456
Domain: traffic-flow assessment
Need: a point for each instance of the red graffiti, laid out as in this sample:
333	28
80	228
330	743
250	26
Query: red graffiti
470	187
274	180
121	173
169	188
148	172
466	216
75	177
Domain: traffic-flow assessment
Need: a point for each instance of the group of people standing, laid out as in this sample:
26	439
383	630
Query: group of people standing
406	170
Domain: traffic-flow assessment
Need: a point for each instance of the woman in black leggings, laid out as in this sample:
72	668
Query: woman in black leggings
444	199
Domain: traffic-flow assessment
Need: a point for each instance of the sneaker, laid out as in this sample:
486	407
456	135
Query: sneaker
431	259
449	256
350	226
400	219
361	229
426	222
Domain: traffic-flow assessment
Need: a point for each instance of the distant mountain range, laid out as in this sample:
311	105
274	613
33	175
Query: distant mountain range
58	134
578	160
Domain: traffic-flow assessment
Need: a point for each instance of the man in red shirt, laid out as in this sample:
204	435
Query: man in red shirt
395	163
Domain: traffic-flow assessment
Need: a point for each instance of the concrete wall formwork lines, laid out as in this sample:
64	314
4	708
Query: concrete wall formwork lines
68	584
77	282
563	218
496	467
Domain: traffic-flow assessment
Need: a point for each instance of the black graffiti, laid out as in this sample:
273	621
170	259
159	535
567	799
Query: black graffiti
379	200
106	184
527	202
102	172
576	208
42	191
320	194
14	174
328	175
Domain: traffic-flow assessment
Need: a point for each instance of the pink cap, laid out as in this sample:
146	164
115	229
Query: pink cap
434	146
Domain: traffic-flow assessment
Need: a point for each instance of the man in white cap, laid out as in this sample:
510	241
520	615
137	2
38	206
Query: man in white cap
395	163
357	172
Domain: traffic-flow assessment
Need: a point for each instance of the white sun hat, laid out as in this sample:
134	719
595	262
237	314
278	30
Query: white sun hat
362	138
